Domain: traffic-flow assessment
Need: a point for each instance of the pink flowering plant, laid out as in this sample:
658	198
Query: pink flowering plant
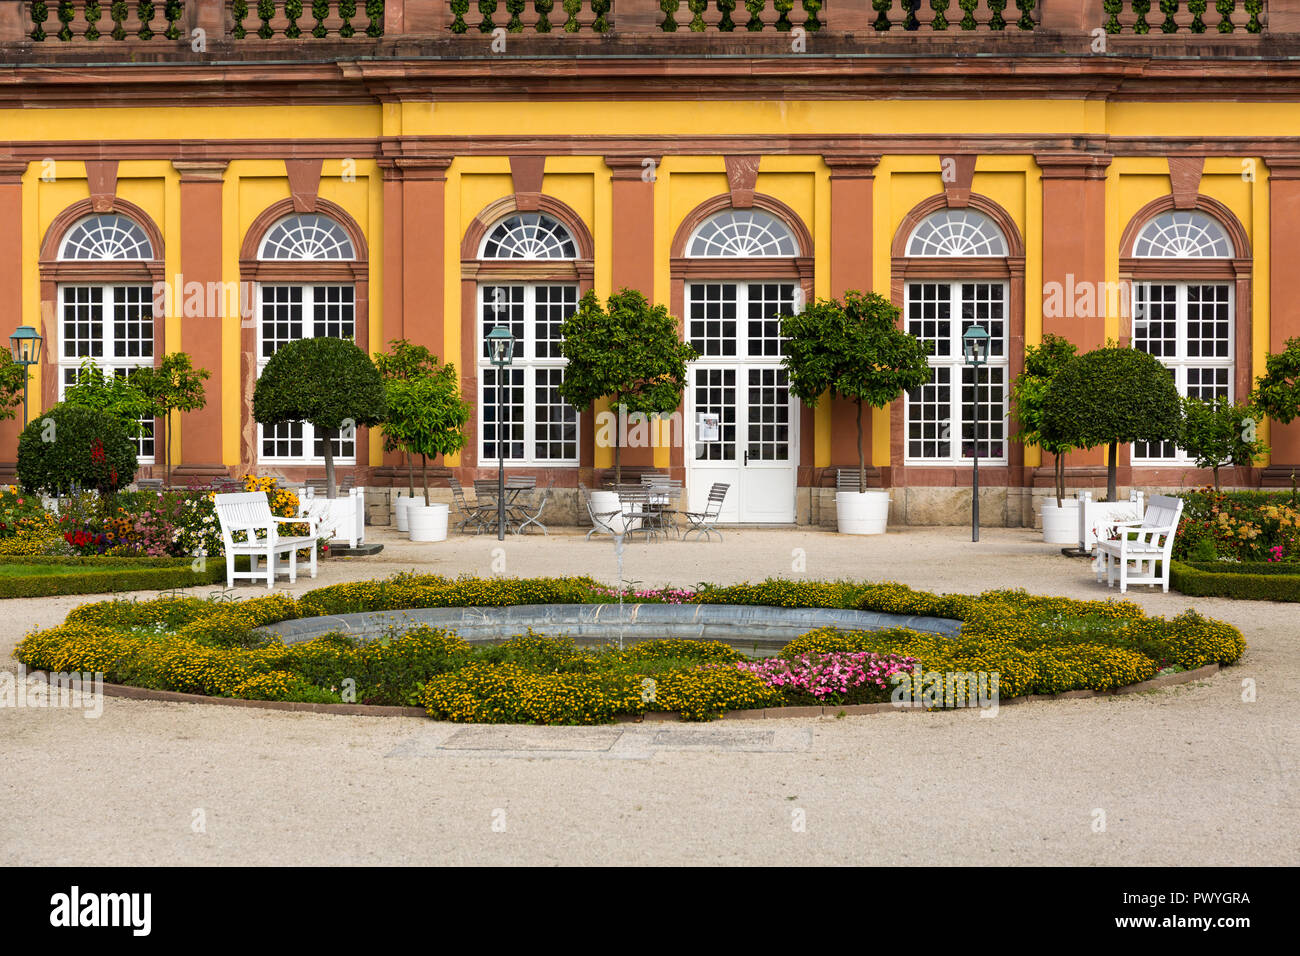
646	596
836	677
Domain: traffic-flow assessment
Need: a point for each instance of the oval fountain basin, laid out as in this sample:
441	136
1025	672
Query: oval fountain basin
756	630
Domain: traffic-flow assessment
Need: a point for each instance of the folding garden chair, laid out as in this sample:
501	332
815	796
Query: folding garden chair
600	520
531	516
470	514
704	522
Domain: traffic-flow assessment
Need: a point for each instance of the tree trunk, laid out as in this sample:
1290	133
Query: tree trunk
618	443
1112	458
424	477
410	473
167	453
1216	477
862	458
1059	468
328	435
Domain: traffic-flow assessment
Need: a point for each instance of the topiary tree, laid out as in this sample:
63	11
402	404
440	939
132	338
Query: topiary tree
427	416
328	383
855	350
71	448
1028	394
175	385
1219	433
404	360
628	351
1112	395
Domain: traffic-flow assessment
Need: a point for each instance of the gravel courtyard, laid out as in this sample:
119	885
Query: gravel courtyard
1192	774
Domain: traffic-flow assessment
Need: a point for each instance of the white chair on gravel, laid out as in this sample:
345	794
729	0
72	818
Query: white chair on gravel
1142	544
250	512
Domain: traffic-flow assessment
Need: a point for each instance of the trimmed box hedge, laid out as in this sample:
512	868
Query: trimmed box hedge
1248	581
106	575
214	647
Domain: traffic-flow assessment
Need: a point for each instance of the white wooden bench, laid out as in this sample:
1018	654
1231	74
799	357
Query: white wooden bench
249	512
1142	544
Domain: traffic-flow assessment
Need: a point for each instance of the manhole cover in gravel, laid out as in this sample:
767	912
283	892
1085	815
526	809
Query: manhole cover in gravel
685	738
583	739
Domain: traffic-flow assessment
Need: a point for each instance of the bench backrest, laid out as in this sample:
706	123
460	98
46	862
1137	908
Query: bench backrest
242	510
1162	513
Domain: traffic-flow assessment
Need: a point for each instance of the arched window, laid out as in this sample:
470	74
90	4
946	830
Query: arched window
1183	235
1185	320
528	235
962	281
107	320
309	302
750	233
741	270
957	232
537	426
106	237
306	236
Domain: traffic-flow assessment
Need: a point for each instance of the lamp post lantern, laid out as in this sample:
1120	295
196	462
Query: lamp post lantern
25	347
501	352
975	349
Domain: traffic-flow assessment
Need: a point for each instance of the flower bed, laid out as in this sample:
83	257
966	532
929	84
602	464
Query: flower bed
1239	526
1035	645
130	523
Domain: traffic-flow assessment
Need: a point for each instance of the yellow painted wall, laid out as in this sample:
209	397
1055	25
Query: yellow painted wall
684	181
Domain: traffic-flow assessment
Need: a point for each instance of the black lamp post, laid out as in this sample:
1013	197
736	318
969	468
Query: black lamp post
501	352
25	347
975	349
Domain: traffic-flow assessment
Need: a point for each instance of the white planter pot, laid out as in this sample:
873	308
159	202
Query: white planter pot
606	502
862	512
427	522
400	506
1061	524
1095	515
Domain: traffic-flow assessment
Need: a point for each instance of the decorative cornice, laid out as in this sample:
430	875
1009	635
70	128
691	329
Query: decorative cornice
632	167
202	170
1073	165
852	165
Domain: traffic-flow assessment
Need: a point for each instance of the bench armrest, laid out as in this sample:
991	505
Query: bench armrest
310	520
250	527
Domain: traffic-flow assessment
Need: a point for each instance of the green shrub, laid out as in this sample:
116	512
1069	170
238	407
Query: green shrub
1245	582
106	575
70	447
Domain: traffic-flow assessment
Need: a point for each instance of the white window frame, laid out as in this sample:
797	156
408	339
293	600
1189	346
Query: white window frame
1181	361
108	363
955	362
308	322
525	360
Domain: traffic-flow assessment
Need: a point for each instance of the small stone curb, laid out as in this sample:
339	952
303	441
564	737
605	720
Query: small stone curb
651	716
350	710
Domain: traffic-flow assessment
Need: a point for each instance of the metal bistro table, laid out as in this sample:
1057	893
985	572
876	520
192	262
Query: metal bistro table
485	491
662	495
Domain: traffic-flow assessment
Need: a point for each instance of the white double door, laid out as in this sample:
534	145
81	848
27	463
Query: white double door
742	422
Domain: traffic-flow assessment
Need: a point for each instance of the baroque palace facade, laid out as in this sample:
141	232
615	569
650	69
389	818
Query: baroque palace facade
223	177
